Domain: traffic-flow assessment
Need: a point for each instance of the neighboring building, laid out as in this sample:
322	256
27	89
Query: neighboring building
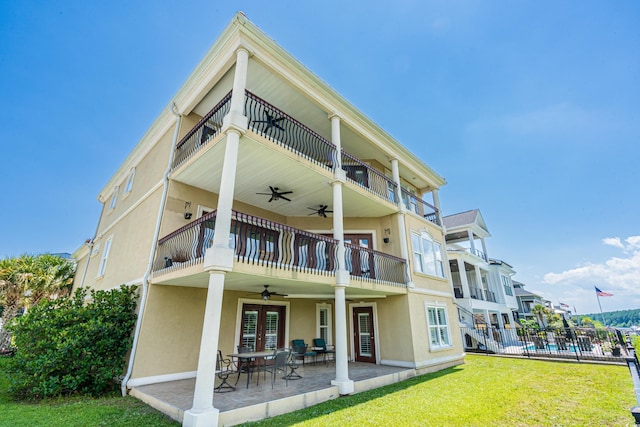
482	285
526	301
263	207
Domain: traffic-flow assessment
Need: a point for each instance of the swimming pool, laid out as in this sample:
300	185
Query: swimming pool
552	347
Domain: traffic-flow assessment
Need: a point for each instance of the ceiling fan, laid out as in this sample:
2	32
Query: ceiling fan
266	294
277	195
321	211
271	122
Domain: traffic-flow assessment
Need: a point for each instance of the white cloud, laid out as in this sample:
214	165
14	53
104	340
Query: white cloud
617	275
613	241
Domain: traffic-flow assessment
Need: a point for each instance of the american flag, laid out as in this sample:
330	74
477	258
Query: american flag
602	293
563	305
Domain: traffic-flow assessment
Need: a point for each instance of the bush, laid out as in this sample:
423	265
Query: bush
69	345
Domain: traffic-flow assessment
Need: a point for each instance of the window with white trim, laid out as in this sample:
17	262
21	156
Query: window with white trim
506	283
105	256
427	254
438	327
129	185
114	198
323	322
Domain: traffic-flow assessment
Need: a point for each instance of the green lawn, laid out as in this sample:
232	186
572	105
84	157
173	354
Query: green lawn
77	411
486	391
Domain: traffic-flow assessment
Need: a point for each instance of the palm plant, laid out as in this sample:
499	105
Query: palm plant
540	311
26	280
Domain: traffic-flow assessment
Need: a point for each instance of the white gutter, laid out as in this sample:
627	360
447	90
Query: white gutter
152	254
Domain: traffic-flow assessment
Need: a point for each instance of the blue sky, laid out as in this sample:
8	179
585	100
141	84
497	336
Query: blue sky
529	109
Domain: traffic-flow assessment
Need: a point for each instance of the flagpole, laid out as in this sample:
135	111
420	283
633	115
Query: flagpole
601	314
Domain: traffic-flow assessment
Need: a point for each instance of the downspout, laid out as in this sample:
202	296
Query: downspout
92	243
152	254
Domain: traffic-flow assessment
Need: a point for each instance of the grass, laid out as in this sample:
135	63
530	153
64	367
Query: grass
77	411
485	391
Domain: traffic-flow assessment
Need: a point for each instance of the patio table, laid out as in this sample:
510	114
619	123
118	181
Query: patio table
247	358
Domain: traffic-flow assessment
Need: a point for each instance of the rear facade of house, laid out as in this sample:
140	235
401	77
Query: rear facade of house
262	207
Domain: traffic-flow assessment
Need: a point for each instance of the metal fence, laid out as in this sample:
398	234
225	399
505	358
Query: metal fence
563	343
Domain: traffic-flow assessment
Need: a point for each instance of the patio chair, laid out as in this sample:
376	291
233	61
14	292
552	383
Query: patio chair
320	345
292	365
224	368
300	351
279	365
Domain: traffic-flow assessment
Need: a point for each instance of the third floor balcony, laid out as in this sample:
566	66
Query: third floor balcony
281	152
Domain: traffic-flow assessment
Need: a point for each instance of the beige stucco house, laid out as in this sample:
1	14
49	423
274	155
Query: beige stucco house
262	207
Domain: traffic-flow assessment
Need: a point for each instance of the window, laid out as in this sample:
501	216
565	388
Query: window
438	327
323	322
129	185
506	283
114	198
105	256
427	255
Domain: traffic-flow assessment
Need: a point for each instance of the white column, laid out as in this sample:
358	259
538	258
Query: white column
220	255
345	385
202	413
471	241
402	230
436	203
484	250
463	278
236	116
219	258
479	281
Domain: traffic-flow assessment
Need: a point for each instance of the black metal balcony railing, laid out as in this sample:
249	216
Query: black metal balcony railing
482	294
369	178
367	264
264	242
260	241
186	246
202	132
255	240
284	130
420	207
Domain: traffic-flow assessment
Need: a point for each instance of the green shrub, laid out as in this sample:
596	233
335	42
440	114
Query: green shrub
73	344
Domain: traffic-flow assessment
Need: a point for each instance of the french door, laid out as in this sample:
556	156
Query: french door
262	327
364	338
360	263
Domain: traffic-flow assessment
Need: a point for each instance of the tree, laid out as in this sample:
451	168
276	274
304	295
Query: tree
26	280
12	295
540	311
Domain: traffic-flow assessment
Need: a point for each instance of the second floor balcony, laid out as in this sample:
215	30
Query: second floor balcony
482	294
261	242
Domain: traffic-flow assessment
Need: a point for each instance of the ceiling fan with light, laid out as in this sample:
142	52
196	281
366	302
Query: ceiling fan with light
320	211
266	294
276	194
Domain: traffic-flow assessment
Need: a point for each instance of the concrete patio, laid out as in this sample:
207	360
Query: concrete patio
259	401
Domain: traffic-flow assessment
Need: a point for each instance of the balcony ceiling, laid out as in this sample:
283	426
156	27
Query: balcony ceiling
262	164
293	289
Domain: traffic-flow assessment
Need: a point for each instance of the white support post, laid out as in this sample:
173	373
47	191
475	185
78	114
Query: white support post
202	412
436	203
402	230
345	385
463	278
235	117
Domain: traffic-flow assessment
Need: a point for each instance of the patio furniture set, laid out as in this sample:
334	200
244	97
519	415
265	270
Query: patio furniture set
277	361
